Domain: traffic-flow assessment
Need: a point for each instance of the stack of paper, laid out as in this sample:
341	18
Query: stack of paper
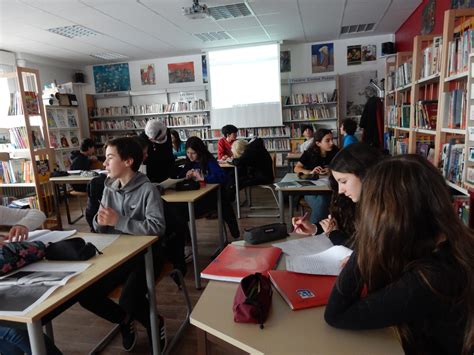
46	236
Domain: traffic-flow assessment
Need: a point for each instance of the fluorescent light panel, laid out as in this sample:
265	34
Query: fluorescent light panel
212	36
108	56
225	12
73	31
365	27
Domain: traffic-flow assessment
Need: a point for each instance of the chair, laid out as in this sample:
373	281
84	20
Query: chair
269	187
79	195
177	276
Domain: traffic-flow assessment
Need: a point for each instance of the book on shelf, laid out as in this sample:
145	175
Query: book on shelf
50	118
426	113
16	171
71	118
458	51
236	262
37	137
302	291
32	103
452	160
431	58
64	139
61	118
42	169
74	139
54	140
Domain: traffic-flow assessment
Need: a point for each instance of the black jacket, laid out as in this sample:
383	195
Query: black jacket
79	162
160	161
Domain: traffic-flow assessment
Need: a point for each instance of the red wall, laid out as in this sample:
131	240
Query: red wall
412	26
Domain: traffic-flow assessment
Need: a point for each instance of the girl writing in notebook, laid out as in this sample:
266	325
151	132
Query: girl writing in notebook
413	257
348	169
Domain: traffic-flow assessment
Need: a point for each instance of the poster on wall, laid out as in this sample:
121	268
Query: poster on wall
181	72
428	17
369	53
355	91
147	74
322	57
285	61
111	77
204	69
354	55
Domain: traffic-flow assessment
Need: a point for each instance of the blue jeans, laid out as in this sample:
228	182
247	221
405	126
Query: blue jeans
319	206
15	341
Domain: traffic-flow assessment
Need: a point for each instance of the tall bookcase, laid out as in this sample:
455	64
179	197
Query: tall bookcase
313	101
26	157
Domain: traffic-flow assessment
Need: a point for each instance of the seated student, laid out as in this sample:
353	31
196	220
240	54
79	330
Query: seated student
224	145
347	129
179	149
131	204
160	160
82	160
315	160
253	161
202	166
13	336
308	134
348	169
414	257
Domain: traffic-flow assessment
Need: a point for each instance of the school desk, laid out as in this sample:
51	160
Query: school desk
226	165
121	250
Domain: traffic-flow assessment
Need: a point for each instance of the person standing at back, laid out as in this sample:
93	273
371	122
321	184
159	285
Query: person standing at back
160	160
224	145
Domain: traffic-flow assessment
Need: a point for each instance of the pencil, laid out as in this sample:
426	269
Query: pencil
101	203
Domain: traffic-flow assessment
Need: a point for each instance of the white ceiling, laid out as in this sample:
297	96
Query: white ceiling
145	29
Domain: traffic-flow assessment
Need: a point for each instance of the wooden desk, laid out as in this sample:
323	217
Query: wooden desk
305	190
121	250
189	197
226	165
64	180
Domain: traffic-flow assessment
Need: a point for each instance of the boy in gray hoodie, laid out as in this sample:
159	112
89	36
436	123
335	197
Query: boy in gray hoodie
130	205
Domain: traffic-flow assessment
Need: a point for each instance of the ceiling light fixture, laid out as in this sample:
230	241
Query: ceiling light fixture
73	31
108	56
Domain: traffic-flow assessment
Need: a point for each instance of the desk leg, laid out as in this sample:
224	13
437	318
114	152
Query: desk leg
281	202
219	217
290	210
150	281
192	231
35	334
56	202
237	191
202	342
48	329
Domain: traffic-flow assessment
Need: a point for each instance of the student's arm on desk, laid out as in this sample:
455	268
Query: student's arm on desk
405	300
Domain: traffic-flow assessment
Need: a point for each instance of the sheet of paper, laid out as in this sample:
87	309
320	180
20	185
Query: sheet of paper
100	241
50	236
327	262
305	246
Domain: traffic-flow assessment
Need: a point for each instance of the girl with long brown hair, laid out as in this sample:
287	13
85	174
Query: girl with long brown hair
414	257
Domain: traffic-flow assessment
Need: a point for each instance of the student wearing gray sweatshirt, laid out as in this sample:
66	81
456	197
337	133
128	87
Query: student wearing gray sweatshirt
130	205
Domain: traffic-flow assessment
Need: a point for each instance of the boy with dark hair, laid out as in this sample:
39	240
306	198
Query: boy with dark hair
224	145
348	128
82	159
308	134
130	205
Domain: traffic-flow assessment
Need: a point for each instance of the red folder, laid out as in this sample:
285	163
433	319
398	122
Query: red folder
302	290
236	262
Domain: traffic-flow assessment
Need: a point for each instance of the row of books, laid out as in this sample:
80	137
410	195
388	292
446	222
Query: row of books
153	108
184	134
16	171
458	51
426	149
309	113
455	110
64	139
397	145
118	124
19	137
399	115
431	58
403	75
188	120
277	144
461	206
310	98
452	160
61	117
31	103
426	113
255	132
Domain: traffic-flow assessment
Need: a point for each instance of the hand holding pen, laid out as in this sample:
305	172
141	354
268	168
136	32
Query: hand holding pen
107	216
302	226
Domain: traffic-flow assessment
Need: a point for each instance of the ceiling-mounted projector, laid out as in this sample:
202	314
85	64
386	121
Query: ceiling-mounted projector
196	11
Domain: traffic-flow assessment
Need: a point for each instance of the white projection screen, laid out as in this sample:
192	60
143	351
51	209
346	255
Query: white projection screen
245	86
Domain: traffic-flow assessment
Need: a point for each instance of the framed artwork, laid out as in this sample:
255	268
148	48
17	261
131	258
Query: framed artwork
147	74
285	61
369	53
322	57
205	79
354	55
181	72
111	77
428	17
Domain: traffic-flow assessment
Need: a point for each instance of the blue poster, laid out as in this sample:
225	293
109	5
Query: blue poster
111	77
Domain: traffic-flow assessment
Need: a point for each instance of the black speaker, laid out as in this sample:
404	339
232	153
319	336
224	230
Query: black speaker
388	48
78	77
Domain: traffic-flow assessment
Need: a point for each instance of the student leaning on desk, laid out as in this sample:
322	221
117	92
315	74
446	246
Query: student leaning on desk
14	337
414	257
131	204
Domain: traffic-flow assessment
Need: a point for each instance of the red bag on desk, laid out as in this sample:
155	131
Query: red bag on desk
253	299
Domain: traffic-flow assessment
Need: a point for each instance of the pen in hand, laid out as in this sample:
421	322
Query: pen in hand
101	203
299	221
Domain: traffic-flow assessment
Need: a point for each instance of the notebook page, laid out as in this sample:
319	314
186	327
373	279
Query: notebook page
305	246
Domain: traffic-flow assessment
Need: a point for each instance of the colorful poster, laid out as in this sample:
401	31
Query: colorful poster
369	53
204	69
354	55
111	77
322	57
147	74
285	61
181	72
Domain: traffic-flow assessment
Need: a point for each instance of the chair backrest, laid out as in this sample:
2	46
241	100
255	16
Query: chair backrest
273	155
